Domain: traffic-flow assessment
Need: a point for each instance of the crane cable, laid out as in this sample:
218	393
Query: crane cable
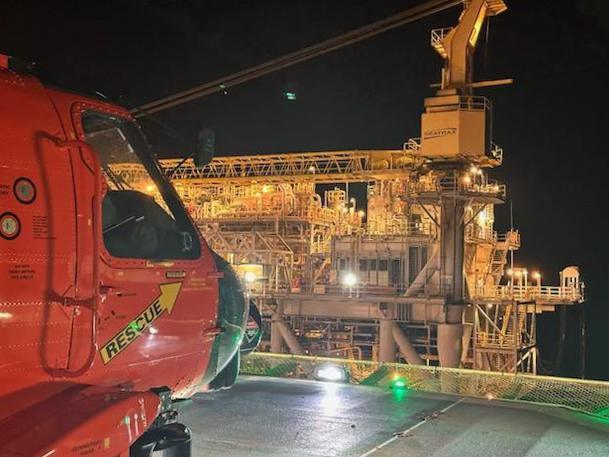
407	16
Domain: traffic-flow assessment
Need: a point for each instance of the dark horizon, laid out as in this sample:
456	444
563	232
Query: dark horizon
368	95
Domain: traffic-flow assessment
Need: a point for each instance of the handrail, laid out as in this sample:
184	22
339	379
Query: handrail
533	292
438	35
496	153
474	232
413	145
454	184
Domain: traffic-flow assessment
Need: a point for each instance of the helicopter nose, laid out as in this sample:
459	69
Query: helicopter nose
232	319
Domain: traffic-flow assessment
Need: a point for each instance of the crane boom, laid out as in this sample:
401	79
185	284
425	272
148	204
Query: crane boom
458	45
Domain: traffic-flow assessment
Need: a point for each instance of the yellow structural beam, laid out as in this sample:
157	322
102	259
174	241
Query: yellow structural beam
314	167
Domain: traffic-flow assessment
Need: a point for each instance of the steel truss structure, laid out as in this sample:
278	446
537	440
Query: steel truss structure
413	271
266	212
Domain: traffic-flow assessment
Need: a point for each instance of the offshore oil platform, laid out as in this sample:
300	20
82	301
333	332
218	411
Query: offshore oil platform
416	273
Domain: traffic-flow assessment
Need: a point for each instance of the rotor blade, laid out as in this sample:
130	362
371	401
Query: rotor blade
410	15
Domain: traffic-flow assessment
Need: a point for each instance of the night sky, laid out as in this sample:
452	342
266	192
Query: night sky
552	122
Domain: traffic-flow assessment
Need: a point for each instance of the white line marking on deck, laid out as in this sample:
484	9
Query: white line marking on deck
408	430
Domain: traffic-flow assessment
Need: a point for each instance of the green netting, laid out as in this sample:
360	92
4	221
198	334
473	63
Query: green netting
375	377
591	397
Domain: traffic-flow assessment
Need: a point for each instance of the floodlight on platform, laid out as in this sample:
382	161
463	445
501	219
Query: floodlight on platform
249	276
330	373
350	279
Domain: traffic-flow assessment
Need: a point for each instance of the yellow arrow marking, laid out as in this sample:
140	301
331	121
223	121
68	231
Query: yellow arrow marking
169	295
164	302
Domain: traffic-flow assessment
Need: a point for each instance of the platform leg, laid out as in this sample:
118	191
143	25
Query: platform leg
276	338
387	347
449	344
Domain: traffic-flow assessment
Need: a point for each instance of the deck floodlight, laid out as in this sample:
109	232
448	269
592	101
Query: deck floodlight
330	373
349	279
249	276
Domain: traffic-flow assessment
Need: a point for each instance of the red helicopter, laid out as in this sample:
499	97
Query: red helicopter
112	305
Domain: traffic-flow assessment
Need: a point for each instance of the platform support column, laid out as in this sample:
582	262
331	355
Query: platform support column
387	347
452	248
282	333
466	342
449	344
276	338
405	346
290	339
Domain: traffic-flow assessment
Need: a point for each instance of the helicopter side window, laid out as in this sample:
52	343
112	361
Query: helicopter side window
141	218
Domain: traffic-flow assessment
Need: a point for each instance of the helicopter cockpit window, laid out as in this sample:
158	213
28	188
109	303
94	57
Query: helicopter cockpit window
141	215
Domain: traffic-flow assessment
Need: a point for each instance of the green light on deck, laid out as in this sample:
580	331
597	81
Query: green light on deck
398	382
290	95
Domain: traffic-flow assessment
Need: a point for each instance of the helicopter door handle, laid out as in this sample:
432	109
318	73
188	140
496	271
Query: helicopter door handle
213	331
106	289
